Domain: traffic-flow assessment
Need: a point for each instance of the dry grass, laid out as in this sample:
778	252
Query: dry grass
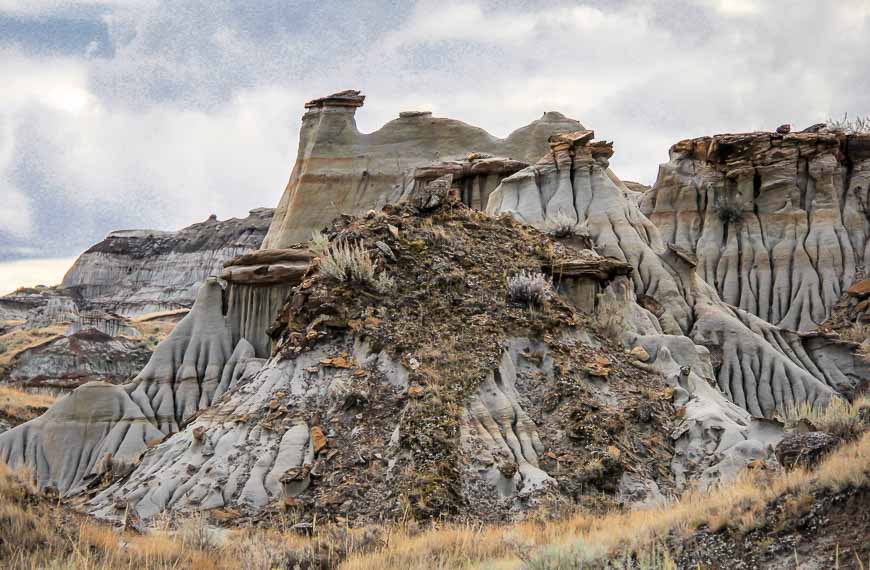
856	125
840	417
857	332
609	316
585	539
35	535
153	332
346	262
19	406
16	341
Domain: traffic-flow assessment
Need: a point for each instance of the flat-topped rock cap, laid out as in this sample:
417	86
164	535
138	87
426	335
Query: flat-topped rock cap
349	98
573	138
411	114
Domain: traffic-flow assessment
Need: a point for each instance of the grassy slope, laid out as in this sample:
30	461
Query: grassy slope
36	532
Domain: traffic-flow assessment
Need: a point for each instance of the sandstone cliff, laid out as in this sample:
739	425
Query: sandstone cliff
340	170
140	271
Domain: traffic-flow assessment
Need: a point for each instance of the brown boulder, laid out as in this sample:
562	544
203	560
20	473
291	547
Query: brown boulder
860	289
804	449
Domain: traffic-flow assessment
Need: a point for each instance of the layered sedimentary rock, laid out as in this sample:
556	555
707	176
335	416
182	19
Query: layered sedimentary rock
258	286
72	360
35	307
107	323
763	369
140	271
435	388
96	428
347	418
779	222
99	426
340	170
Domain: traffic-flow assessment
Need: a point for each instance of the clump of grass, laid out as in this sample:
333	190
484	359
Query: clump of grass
729	212
21	406
854	126
529	287
839	417
346	262
194	533
857	332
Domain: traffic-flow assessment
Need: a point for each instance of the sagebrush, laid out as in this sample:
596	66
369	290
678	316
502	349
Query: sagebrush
347	262
855	126
561	225
529	287
729	212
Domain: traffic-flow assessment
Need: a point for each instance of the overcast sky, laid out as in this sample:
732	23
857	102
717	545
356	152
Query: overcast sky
121	114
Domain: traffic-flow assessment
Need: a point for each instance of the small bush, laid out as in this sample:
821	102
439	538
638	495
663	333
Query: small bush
3	348
529	287
729	212
855	126
839	417
194	533
346	262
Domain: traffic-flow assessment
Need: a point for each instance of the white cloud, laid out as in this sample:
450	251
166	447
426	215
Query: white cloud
462	21
735	7
30	272
176	165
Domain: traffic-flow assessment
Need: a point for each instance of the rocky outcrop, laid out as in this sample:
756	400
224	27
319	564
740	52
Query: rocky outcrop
361	410
80	438
103	322
141	271
36	307
340	170
761	368
779	222
100	425
805	449
67	362
258	285
437	391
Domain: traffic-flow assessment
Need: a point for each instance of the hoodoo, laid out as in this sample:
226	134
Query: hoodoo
340	170
423	354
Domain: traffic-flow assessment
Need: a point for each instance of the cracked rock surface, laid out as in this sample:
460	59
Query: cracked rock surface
779	222
760	367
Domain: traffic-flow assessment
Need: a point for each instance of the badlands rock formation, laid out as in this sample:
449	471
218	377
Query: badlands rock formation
103	428
141	271
434	388
38	306
779	223
69	361
340	170
364	410
761	368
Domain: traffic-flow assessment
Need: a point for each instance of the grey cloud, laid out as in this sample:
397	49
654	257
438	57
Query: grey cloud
194	105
